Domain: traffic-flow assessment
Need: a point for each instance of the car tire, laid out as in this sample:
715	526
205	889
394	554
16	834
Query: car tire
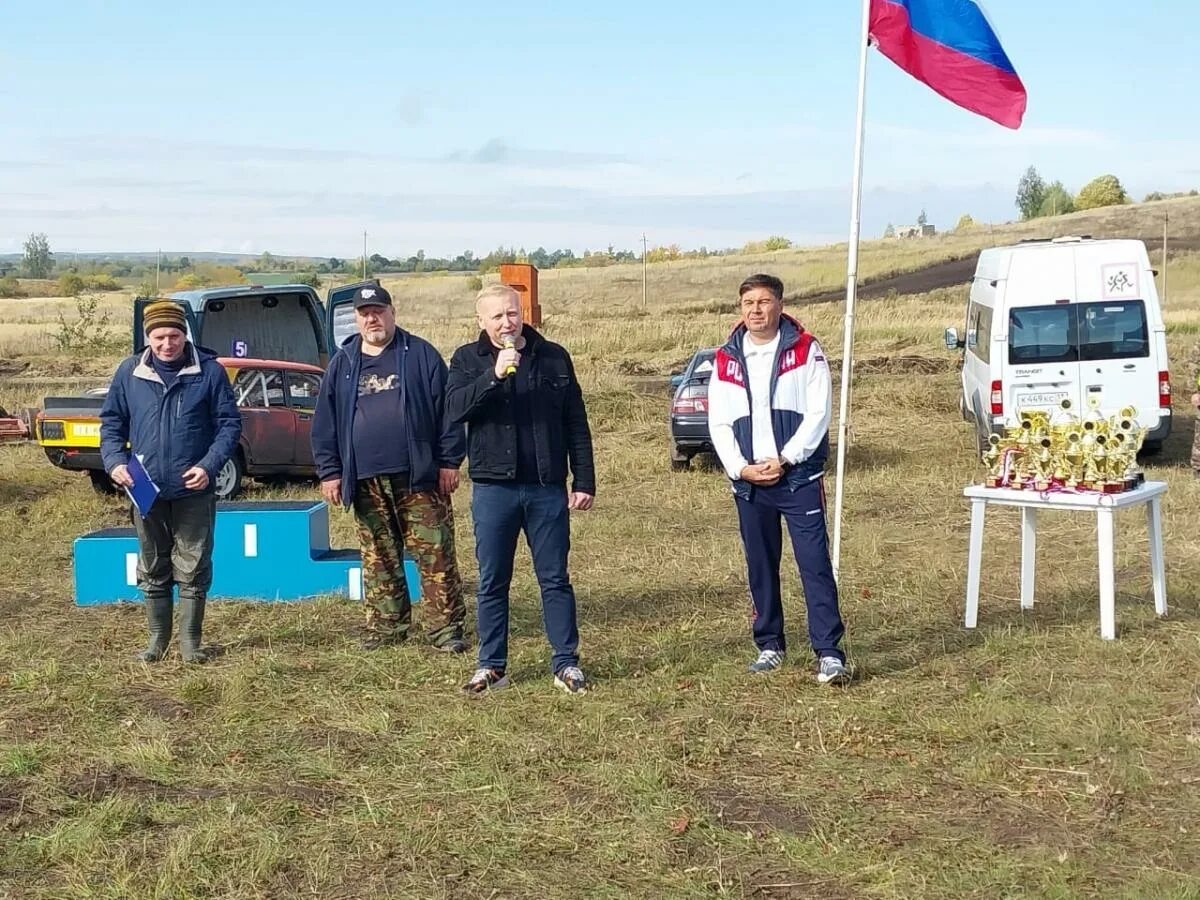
680	461
101	483
228	483
1151	448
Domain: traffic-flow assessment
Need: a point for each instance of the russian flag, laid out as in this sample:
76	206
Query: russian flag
951	46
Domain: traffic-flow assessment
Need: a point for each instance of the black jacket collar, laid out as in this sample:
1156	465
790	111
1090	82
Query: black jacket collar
485	347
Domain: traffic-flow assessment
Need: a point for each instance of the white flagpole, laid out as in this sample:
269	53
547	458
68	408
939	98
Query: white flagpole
851	289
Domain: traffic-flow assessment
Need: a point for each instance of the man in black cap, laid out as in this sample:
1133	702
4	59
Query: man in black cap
172	406
381	444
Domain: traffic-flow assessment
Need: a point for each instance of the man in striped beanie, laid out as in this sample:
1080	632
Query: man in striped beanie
171	406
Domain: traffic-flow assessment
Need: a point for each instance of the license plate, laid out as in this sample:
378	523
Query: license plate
1041	400
86	430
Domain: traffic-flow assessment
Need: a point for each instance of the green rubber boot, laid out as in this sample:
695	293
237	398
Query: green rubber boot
158	618
191	622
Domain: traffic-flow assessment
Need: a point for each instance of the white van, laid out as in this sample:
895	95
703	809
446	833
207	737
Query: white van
1065	319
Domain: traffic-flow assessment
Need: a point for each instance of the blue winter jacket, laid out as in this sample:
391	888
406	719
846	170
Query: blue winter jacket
194	422
433	441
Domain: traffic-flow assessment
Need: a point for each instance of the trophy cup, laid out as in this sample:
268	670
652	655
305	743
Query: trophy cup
1043	463
991	458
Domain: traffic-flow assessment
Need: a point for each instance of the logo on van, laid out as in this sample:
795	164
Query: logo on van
1119	280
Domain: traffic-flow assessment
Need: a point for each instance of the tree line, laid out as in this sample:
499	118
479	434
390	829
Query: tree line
1036	198
184	273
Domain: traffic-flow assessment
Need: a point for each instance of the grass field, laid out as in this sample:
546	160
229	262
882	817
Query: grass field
1025	759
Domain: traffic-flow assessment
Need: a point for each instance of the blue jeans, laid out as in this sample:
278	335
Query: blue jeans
500	513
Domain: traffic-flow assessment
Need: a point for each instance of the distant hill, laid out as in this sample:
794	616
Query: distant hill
1137	220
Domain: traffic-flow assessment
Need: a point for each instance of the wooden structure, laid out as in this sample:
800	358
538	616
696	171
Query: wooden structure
523	278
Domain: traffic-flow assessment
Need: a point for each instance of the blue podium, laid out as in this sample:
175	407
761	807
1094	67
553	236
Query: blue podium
262	550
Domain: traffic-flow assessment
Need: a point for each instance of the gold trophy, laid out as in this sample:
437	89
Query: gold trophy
1047	452
991	458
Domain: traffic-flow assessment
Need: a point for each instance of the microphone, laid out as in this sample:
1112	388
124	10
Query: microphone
509	342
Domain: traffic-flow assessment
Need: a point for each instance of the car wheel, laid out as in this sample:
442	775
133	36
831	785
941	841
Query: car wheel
102	483
680	461
229	478
1151	448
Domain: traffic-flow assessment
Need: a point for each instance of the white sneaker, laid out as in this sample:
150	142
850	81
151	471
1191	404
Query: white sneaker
831	670
768	661
571	680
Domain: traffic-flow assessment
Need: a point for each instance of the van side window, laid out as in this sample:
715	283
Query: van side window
983	336
1113	330
980	336
972	326
1042	334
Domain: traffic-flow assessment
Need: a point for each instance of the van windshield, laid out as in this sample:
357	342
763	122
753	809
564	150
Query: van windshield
1078	331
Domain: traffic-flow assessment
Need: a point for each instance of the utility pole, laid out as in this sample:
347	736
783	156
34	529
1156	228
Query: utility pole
364	256
1166	217
158	274
643	270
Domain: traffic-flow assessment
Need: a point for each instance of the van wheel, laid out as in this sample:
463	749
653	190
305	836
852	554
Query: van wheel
101	483
229	478
1151	448
981	443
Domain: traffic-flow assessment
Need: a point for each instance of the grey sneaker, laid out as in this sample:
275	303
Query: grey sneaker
768	661
453	645
571	680
485	680
831	670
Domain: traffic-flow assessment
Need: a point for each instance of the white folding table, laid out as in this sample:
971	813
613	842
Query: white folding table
1103	505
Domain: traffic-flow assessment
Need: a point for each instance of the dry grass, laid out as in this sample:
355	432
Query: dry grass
1027	758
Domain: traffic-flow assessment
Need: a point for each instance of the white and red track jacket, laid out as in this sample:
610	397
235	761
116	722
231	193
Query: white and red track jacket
801	403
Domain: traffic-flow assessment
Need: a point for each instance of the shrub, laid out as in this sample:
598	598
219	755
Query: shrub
70	285
88	332
102	281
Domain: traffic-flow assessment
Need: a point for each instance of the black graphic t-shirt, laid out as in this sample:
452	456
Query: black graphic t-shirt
380	439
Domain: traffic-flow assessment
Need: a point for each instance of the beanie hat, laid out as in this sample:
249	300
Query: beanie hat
164	314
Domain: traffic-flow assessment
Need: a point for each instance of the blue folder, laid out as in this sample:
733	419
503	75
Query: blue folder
144	491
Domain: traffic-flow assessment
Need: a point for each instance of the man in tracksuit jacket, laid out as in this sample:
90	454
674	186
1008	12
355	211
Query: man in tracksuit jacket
769	402
381	444
172	406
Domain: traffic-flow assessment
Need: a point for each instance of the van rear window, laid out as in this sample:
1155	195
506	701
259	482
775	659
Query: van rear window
1113	330
1078	331
1041	334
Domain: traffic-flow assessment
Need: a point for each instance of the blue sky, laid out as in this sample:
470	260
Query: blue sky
293	127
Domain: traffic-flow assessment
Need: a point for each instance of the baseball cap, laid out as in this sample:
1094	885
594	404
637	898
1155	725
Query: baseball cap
371	295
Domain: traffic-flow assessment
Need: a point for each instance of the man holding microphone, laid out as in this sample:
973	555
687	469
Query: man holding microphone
526	424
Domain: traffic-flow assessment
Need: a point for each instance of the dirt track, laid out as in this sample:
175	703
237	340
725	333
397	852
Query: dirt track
954	272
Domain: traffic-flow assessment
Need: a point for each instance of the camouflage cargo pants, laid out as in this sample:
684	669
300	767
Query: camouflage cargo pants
391	518
1196	446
